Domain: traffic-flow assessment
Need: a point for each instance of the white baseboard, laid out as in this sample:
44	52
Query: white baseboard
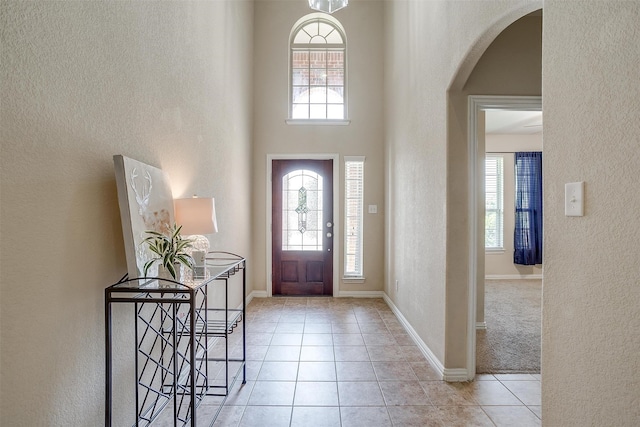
361	294
426	351
455	375
256	294
481	325
512	276
341	294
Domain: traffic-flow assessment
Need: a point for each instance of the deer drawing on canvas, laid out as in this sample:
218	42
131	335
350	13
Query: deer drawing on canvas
156	220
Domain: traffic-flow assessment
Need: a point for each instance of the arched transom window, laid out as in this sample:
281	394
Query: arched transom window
318	71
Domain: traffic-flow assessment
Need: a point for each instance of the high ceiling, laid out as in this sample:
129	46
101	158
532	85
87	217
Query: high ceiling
513	122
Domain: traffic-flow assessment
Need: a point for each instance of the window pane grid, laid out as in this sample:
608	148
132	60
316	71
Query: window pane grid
317	71
494	210
354	200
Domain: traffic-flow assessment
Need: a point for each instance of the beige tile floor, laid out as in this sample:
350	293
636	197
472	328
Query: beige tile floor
317	362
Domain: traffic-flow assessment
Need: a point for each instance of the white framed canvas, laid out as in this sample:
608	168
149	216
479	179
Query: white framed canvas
146	203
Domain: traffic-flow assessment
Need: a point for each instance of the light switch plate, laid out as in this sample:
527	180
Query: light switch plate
574	199
373	209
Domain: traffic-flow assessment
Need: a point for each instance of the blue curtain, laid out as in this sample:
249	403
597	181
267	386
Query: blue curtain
528	229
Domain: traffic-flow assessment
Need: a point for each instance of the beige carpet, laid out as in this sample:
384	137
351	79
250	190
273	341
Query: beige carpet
511	342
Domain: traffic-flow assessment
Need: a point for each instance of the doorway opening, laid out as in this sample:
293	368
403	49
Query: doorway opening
509	299
478	105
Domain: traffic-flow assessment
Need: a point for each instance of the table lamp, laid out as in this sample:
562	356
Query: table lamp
197	216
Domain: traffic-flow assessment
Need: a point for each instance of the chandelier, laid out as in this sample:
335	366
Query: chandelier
328	6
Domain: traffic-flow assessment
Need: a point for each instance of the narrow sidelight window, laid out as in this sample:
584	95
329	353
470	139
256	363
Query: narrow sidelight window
354	201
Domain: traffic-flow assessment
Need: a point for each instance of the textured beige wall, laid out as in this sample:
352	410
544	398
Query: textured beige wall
501	263
167	83
83	81
591	297
362	22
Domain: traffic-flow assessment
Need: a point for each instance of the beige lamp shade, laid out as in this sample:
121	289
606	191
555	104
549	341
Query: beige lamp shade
196	215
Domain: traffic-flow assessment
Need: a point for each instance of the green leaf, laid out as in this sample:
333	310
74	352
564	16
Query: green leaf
148	265
186	260
172	270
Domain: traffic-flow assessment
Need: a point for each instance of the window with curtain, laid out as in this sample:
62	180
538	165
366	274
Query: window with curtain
494	205
528	206
317	69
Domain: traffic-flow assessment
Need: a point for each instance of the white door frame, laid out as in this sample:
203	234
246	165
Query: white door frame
336	217
479	103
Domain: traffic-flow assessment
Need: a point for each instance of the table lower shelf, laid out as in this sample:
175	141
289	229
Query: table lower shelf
216	324
218	392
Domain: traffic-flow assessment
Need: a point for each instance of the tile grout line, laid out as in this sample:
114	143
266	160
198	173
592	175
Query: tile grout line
403	357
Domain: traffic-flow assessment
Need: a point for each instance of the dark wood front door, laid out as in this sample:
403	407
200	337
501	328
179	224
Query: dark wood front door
302	229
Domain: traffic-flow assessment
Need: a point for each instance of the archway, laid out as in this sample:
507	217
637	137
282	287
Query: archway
462	159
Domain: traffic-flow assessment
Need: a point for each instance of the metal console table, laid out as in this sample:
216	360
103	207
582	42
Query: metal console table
176	332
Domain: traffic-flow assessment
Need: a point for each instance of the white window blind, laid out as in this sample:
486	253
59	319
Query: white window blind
354	201
494	196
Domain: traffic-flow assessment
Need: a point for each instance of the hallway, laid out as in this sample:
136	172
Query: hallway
349	362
